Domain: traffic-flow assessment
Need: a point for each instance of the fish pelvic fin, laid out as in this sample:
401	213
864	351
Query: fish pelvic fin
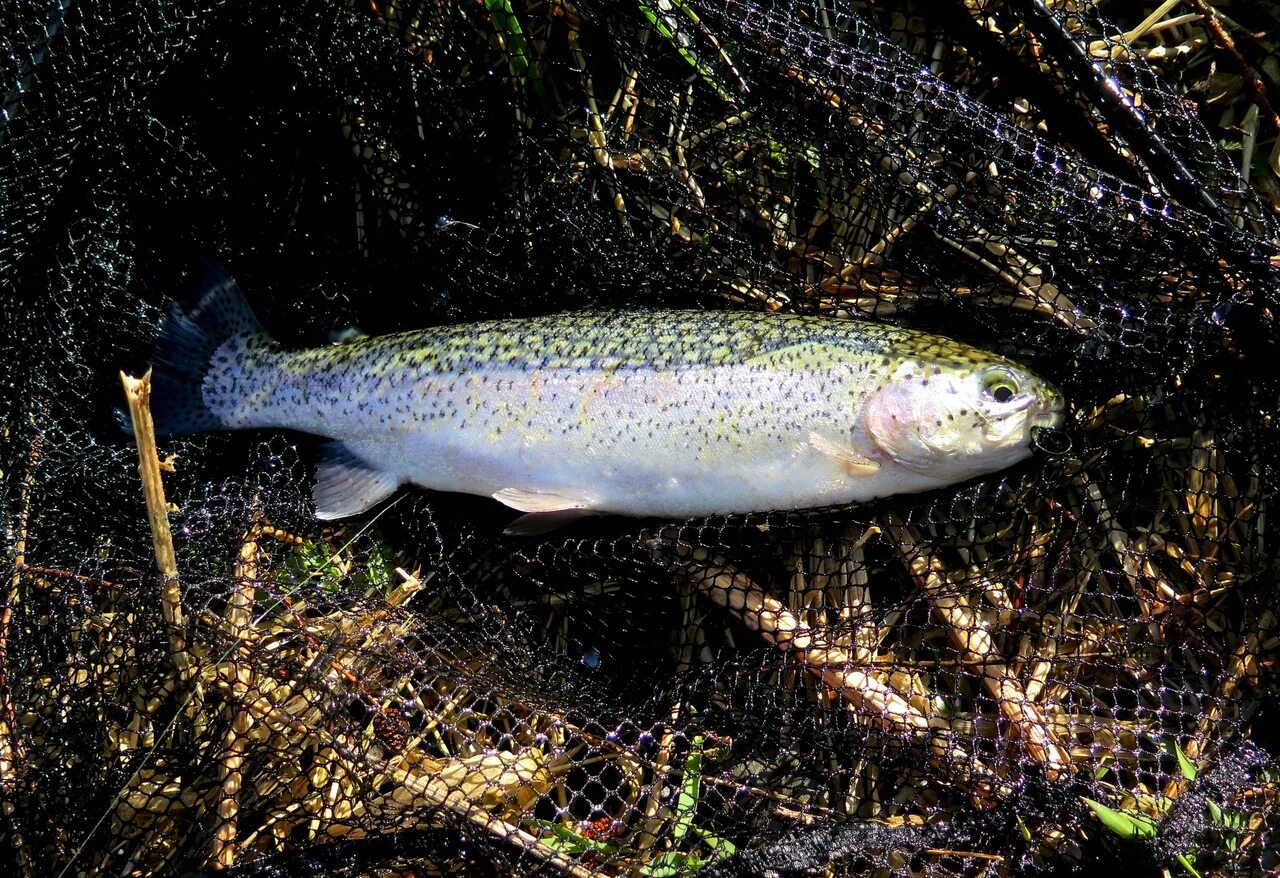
189	340
545	510
346	485
542	501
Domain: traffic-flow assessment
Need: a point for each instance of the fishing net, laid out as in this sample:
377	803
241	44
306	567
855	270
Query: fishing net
1067	665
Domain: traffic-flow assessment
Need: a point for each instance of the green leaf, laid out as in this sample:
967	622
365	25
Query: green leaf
690	789
720	847
1188	770
659	24
566	840
513	41
1215	813
1123	823
672	864
566	845
1185	862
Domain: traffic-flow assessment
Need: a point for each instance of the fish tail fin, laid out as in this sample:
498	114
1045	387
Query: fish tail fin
189	340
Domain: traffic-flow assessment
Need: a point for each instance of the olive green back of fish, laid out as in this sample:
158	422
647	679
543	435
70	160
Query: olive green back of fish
652	340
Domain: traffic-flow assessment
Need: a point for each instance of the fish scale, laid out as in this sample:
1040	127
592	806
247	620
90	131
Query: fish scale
665	413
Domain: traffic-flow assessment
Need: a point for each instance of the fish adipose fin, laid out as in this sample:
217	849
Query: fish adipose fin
546	510
187	343
853	463
346	485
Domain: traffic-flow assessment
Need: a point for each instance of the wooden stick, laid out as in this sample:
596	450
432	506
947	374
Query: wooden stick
137	392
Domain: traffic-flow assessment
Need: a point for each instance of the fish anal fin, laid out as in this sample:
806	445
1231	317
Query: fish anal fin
541	501
346	485
850	460
534	523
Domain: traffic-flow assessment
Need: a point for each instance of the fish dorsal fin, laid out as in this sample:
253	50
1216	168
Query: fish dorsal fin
346	485
853	463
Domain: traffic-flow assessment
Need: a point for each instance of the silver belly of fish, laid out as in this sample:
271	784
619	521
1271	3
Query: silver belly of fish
635	443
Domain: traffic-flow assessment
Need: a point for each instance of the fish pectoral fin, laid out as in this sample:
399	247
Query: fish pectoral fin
541	501
533	523
346	485
850	460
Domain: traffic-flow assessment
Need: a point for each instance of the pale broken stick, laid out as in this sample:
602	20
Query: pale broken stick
137	392
865	694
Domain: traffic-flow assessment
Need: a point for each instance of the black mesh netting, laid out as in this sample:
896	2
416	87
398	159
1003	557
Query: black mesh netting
939	684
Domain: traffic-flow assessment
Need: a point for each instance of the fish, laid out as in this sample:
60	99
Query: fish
662	413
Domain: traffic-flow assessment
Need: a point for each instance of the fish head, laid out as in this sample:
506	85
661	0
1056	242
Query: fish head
960	416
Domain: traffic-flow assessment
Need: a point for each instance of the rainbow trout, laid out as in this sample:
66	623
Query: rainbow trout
663	413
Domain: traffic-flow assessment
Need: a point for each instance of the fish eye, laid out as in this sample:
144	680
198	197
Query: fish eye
999	385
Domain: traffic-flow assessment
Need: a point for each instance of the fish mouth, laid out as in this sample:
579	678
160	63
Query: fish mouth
1049	412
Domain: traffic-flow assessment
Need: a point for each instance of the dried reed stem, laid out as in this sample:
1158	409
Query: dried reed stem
430	792
1242	668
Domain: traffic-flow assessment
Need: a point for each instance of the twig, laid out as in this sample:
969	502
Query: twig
235	742
1041	296
865	693
595	131
876	253
12	752
58	573
1213	24
137	392
715	129
979	650
650	834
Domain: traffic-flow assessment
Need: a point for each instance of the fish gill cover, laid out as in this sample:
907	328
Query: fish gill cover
1068	665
